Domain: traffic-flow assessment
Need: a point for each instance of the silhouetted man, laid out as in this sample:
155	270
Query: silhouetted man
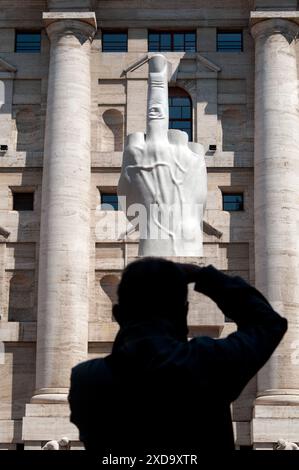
157	391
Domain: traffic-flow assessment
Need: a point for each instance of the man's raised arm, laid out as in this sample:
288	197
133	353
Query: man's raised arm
237	358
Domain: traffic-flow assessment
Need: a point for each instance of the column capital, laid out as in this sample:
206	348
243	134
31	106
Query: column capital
271	26
60	23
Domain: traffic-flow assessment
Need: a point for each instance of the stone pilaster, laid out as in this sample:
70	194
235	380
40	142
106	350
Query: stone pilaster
276	185
62	329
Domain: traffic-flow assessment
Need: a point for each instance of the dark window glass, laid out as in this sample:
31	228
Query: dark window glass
109	202
171	41
23	201
114	41
178	42
180	112
165	41
233	202
27	41
230	41
186	112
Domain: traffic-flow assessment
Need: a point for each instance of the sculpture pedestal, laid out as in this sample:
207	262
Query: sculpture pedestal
275	418
46	422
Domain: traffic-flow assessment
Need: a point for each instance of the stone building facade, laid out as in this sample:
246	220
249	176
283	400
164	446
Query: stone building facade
64	113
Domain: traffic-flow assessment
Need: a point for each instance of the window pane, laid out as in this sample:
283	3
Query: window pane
28	37
181	101
180	125
114	42
190	42
28	42
116	38
186	112
171	41
229	41
178	42
233	197
23	201
153	42
175	112
109	202
154	47
233	202
165	41
190	47
178	38
190	36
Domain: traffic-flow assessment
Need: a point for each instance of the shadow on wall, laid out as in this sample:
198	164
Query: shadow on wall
23	357
29	129
113	131
21	306
233	124
109	285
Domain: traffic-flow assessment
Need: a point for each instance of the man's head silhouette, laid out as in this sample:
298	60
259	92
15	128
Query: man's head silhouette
152	288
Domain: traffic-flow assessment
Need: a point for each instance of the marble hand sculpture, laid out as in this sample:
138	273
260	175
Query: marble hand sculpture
163	178
51	445
286	445
63	444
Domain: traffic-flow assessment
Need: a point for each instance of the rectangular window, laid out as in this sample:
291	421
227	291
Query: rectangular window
233	202
229	41
109	202
27	41
114	41
176	41
23	201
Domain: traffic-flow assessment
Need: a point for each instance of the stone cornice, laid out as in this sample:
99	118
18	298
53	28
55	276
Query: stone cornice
83	25
3	232
7	70
208	64
173	66
275	25
84	17
258	16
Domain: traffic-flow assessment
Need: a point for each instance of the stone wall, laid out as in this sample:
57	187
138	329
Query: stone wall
221	87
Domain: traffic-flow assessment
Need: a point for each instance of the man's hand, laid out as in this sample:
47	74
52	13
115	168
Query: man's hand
164	178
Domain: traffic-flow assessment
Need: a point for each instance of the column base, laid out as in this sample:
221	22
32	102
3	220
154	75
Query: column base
287	397
32	445
263	446
50	395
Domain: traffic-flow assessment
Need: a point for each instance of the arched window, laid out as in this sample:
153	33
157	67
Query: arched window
180	110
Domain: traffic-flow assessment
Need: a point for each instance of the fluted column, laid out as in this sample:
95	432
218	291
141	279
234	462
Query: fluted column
62	328
276	185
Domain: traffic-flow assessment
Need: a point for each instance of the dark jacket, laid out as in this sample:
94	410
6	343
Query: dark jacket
157	392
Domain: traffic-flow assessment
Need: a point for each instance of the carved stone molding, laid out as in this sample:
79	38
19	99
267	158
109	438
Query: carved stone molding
7	70
80	24
269	27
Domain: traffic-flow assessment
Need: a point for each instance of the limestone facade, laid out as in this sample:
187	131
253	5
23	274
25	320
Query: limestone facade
64	115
